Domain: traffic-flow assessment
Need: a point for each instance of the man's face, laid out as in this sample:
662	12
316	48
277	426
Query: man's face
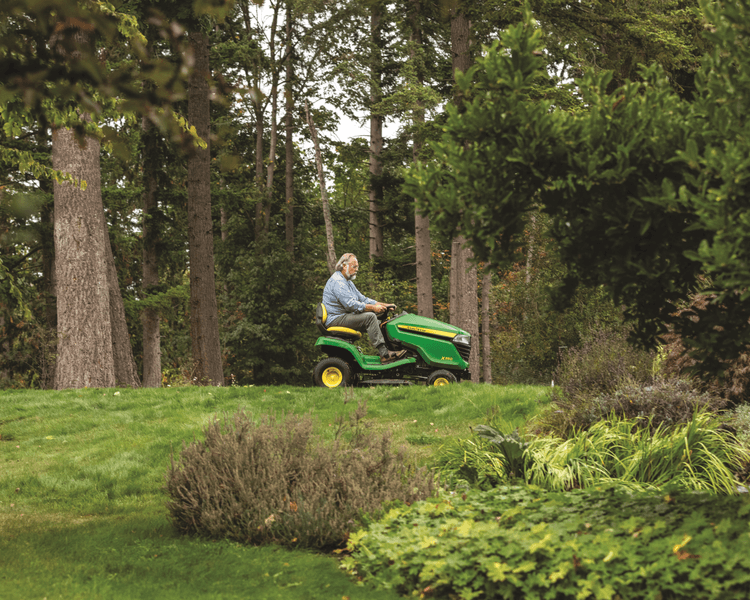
351	268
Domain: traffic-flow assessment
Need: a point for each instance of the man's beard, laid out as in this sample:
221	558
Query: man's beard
351	277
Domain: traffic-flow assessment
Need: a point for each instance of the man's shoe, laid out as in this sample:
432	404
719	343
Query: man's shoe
390	356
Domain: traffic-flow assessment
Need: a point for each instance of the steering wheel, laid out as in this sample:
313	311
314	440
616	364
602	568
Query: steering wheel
385	315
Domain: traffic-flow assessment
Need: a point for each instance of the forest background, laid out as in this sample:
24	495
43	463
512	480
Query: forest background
219	242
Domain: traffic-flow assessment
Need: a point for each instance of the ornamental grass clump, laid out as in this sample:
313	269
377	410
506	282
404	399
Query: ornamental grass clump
697	455
700	455
275	481
471	462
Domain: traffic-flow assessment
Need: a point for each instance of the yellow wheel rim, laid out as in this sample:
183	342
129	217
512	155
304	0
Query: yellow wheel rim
332	377
441	381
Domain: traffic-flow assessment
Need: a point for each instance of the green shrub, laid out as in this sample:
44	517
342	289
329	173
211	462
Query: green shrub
487	459
528	326
600	366
663	402
275	481
660	402
516	542
470	462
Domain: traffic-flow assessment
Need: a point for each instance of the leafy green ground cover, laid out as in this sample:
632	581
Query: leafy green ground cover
515	542
82	512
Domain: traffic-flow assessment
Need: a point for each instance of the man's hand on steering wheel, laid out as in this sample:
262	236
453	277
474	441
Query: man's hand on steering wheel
383	310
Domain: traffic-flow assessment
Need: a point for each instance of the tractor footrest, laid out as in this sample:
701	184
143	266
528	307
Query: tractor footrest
385	382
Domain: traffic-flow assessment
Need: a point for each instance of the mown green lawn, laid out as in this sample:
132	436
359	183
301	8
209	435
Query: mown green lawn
82	512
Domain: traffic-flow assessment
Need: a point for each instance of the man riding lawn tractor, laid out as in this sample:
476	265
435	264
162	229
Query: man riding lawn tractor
410	347
347	308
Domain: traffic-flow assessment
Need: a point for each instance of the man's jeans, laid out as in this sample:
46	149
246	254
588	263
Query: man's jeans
366	321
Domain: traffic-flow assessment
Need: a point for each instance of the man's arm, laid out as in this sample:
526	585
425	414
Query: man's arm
378	307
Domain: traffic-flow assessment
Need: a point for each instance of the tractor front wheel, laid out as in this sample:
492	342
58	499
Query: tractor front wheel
332	372
441	377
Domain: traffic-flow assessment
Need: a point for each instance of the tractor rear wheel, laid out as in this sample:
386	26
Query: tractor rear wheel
332	372
441	377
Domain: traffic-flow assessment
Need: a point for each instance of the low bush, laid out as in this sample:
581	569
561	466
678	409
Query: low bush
517	542
600	366
660	402
486	460
275	481
663	402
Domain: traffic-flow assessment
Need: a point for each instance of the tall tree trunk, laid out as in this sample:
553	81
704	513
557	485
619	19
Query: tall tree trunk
126	372
258	110
150	316
486	334
259	208
288	131
84	330
456	281
463	273
330	250
424	264
376	132
464	308
224	220
271	162
421	222
204	314
274	125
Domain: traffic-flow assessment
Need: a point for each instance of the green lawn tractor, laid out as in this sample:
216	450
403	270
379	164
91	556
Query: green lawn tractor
436	353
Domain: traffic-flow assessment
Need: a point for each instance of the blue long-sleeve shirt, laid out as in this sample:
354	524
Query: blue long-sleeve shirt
341	297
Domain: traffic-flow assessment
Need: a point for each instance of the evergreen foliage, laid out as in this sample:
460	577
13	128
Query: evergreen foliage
269	331
644	187
138	75
530	333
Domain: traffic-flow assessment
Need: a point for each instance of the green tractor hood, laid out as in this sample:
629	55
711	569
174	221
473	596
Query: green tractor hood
439	344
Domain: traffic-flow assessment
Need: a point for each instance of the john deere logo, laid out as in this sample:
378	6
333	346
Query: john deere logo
447	358
427	331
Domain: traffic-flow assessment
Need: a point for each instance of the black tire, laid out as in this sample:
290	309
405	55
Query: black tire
441	377
332	372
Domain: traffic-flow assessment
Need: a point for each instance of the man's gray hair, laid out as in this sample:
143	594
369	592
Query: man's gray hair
344	260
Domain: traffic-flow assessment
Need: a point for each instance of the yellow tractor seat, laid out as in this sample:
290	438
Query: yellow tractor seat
321	314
